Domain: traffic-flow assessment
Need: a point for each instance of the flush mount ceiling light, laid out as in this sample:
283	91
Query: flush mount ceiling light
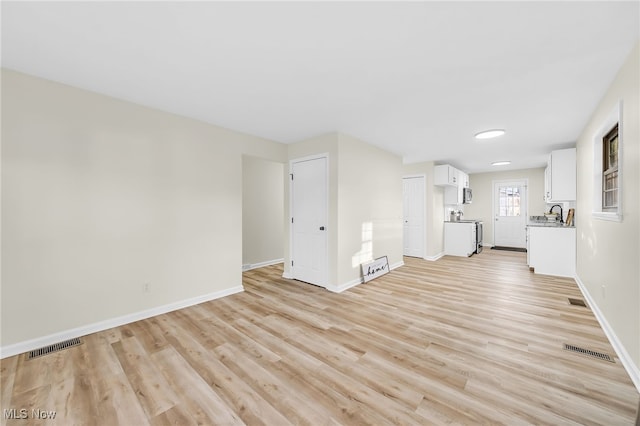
488	134
501	163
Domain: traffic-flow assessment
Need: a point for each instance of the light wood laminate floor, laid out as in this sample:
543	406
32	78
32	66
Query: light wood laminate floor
458	341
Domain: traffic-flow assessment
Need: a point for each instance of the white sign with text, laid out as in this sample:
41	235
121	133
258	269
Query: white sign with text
375	268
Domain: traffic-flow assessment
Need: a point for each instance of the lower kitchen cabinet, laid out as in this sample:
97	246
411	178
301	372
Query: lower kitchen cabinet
552	250
460	238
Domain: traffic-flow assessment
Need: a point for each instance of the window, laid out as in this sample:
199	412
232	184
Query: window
608	147
509	201
610	171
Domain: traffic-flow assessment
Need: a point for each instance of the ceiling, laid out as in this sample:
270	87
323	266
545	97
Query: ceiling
418	79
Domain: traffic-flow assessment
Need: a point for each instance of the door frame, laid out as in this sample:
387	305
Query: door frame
424	211
493	204
325	156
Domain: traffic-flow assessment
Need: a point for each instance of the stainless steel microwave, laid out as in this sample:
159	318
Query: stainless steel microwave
467	196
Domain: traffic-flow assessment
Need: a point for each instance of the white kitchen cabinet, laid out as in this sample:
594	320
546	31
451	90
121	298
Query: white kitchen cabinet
454	182
464	179
455	194
552	250
547	184
459	238
528	247
560	176
463	182
445	175
452	195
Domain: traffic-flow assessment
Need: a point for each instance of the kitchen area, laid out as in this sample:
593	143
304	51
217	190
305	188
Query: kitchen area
551	238
542	210
462	237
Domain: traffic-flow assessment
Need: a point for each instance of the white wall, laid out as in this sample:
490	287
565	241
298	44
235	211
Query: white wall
434	200
351	205
369	195
482	186
609	252
262	211
101	196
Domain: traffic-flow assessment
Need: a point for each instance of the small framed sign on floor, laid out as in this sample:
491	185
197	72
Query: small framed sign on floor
375	268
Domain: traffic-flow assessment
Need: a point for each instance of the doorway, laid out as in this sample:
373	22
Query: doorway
413	190
309	212
262	212
510	213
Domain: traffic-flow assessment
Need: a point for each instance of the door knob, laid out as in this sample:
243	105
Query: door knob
322	228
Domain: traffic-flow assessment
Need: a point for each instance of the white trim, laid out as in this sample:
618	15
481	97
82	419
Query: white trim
342	287
250	266
610	216
324	155
309	158
287	276
434	258
350	284
515	181
422	176
614	117
626	360
29	345
396	265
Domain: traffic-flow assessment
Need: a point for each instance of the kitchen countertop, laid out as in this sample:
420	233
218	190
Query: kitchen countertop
549	225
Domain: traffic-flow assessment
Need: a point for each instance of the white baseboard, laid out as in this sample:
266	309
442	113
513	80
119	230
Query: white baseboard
250	266
396	265
345	286
39	342
632	369
434	258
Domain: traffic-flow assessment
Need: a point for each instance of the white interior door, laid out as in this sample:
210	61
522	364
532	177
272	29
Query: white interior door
414	222
510	214
309	221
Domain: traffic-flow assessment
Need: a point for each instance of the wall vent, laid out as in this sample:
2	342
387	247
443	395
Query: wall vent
54	348
588	352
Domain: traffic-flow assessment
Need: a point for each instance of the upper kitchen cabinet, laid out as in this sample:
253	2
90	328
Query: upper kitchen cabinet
463	179
453	180
560	176
445	175
463	182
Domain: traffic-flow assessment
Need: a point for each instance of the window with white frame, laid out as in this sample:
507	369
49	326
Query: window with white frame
610	171
509	201
607	170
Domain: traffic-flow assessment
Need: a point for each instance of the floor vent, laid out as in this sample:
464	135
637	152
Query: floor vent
54	348
520	249
588	352
577	302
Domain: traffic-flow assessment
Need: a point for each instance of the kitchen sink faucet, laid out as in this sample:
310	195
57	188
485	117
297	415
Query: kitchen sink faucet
551	211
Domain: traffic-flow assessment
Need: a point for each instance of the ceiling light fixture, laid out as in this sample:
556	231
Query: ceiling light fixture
501	163
488	134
